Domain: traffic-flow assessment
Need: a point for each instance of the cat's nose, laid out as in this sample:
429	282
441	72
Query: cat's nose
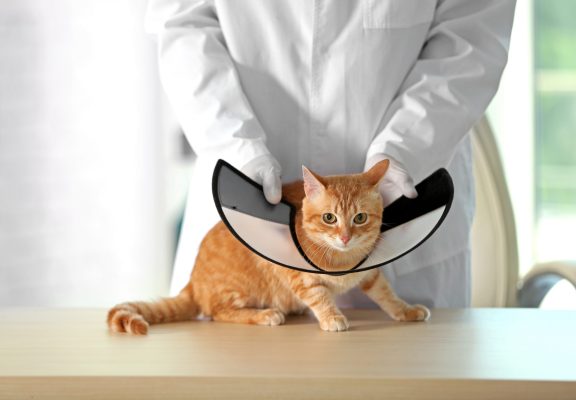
345	239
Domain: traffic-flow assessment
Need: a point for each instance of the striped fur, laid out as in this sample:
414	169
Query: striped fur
230	283
135	317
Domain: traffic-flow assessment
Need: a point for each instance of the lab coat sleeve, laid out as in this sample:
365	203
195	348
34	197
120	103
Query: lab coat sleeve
201	82
449	86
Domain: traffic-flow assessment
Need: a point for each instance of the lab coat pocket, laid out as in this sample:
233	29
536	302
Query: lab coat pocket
388	14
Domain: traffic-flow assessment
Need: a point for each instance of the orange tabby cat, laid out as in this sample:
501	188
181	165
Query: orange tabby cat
337	223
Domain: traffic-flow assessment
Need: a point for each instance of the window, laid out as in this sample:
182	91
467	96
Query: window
555	128
534	119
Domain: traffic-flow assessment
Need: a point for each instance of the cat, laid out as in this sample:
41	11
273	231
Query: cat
337	223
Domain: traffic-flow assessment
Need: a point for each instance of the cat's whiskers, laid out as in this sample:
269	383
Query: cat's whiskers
330	252
323	254
317	248
315	255
320	253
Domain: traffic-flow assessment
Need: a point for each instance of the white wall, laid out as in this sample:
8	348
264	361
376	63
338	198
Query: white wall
82	155
512	117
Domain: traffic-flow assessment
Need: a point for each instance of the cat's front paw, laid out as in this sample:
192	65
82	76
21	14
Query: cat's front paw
334	323
417	312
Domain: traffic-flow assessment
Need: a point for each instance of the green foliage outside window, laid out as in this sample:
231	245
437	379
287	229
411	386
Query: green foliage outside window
555	72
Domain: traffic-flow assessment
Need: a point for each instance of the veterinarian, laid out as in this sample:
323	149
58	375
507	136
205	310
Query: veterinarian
336	85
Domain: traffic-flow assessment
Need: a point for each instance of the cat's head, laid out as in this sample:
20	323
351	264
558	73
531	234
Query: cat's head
342	215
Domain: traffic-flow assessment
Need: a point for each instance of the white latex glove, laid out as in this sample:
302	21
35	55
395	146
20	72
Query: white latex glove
396	182
266	171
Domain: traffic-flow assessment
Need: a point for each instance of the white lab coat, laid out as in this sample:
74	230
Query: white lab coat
328	83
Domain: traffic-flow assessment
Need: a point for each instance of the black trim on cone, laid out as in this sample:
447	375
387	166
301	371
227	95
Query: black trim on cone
433	192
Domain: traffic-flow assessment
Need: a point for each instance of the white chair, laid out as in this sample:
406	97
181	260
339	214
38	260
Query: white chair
543	277
494	246
495	279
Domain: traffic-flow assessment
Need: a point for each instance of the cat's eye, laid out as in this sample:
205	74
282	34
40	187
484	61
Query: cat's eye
329	218
360	218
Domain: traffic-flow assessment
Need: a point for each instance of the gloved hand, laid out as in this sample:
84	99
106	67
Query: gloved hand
396	182
266	171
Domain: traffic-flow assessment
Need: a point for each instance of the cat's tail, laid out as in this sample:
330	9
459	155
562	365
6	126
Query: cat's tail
136	317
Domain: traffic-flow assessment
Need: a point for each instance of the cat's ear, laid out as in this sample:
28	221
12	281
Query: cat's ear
313	184
375	174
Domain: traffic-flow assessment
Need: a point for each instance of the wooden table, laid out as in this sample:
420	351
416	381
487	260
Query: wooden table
460	354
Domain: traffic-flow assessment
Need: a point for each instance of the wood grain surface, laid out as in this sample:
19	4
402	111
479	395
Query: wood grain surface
473	353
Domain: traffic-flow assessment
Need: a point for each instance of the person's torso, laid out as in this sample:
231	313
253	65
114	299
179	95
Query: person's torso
320	76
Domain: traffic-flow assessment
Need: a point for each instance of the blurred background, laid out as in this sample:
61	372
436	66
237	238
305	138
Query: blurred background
94	167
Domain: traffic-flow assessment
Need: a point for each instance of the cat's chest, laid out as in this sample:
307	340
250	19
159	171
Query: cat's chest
343	283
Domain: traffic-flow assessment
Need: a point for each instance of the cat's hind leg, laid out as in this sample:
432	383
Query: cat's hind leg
267	316
234	305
